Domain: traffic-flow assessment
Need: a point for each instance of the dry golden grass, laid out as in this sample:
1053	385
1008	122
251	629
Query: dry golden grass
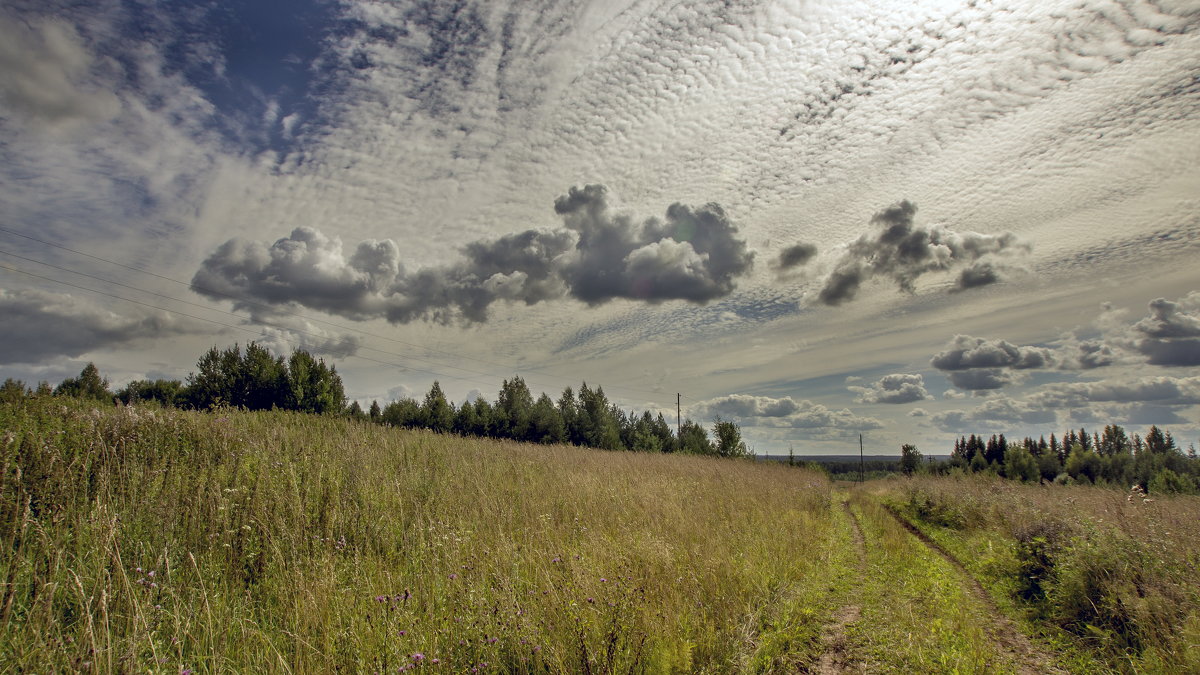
161	540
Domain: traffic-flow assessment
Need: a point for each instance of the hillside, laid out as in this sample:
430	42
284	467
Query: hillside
156	540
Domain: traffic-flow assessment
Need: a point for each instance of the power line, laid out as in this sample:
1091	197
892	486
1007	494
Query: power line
273	308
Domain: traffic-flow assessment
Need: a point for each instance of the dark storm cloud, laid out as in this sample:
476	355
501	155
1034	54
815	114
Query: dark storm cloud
895	388
38	326
795	256
902	252
692	255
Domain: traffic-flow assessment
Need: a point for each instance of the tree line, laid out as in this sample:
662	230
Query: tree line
255	380
586	418
1112	457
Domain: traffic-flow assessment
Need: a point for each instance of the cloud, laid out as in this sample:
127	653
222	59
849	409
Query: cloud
284	340
980	364
965	352
45	75
794	256
1170	336
1161	390
903	253
692	255
995	412
38	326
786	412
895	388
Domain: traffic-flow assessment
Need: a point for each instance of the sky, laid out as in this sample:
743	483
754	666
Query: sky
819	219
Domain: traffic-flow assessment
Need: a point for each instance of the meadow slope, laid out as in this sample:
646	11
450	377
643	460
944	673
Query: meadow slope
142	539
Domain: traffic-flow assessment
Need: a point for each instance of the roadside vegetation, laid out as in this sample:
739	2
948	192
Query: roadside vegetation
1108	578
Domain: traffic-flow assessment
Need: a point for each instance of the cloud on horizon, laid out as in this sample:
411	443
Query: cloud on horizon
40	325
692	255
782	413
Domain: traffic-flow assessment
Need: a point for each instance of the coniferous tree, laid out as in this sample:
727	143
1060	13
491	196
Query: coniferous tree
436	412
693	439
513	409
375	412
568	410
545	422
166	392
13	390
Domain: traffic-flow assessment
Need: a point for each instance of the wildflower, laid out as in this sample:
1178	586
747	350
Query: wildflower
603	580
556	560
453	576
537	648
402	633
418	657
435	660
591	600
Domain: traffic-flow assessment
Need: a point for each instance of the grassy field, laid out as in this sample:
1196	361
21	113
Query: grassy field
1108	579
155	540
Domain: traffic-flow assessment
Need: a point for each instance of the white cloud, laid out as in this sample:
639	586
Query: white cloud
895	388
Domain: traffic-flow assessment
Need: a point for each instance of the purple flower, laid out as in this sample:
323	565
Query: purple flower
435	660
453	576
402	633
418	657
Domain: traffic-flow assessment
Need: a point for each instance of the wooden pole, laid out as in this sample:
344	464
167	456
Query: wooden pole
678	414
861	463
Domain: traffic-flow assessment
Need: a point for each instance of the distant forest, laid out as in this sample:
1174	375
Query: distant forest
255	380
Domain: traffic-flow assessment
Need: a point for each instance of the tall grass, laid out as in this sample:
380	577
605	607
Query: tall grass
141	539
1111	577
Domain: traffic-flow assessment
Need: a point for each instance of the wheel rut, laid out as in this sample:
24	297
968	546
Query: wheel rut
837	657
1029	659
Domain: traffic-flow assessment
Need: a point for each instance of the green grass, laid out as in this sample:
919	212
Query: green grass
161	540
933	624
1108	579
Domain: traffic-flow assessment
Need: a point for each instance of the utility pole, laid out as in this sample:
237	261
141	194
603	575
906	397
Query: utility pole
861	464
678	413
